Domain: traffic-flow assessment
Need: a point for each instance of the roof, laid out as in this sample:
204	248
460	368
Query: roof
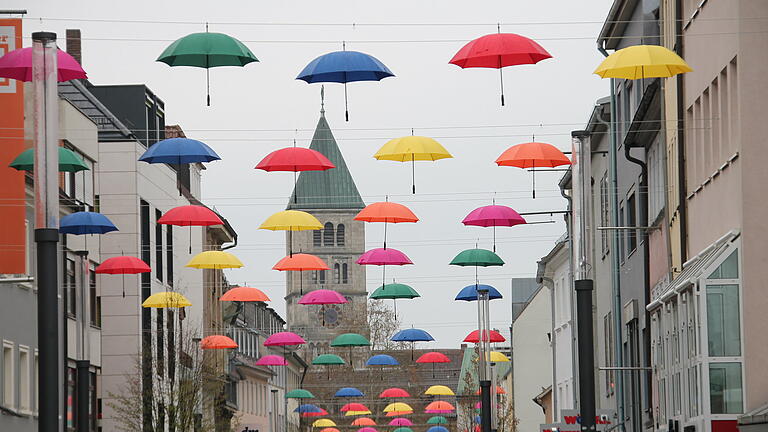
329	189
757	416
468	367
615	23
109	127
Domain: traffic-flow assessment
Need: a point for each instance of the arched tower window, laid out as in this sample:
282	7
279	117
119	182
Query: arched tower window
336	273
344	274
328	234
317	236
340	235
322	277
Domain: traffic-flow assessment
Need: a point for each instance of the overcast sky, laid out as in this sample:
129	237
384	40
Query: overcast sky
258	109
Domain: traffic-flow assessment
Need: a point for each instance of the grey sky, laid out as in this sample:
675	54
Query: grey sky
257	108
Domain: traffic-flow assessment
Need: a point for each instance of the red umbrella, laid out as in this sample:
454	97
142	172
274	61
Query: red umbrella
217	342
295	159
244	294
497	51
433	357
354	406
474	337
123	265
532	155
394	392
190	215
320	413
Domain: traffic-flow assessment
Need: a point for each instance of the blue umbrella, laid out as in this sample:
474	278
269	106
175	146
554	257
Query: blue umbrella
179	151
348	392
437	429
343	67
382	360
307	408
469	293
412	335
478	419
86	223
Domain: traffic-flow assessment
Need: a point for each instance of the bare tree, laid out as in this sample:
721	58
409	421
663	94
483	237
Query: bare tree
505	417
383	324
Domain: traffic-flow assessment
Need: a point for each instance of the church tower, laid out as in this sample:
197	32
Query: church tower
332	197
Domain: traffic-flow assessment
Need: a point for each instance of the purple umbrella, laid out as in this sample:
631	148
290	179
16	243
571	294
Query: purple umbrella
283	339
493	216
401	421
272	360
322	297
17	64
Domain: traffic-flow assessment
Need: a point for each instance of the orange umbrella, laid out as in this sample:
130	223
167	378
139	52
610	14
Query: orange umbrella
244	294
532	155
398	413
386	212
363	421
440	405
301	262
217	342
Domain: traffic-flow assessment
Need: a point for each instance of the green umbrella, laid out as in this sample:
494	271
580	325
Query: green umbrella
437	420
69	161
328	360
299	394
395	291
477	257
350	340
207	50
403	429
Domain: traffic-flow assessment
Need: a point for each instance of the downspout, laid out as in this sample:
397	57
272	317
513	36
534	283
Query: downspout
618	349
681	183
549	283
574	341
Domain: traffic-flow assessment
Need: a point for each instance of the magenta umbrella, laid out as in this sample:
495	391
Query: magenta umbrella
283	339
17	64
438	411
322	297
384	257
401	421
272	360
493	215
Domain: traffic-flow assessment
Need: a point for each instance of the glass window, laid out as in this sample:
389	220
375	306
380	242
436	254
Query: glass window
605	213
631	221
8	390
723	320
340	240
608	353
24	390
620	234
95	298
322	277
662	400
693	391
328	234
317	236
158	246
70	286
729	269
169	254
725	389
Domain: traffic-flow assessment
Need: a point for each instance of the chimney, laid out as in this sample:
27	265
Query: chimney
73	45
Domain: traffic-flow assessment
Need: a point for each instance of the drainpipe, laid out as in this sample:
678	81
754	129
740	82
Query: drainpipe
681	183
574	341
618	349
549	283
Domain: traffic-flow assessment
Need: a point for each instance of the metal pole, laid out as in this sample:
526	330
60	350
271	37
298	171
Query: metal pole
273	423
46	123
485	383
584	288
83	347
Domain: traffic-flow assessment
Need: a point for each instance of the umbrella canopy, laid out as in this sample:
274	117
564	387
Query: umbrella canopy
207	50
86	223
320	413
343	67
477	257
493	215
17	65
412	149
470	292
437	429
328	359
295	159
354	406
441	405
433	357
291	220
357	413
398	413
397	407
533	155
387	212
499	390
437	420
217	342
323	423
642	61
348	392
69	161
437	411
190	215
123	265
394	392
474	337
350	340
214	260
382	360
272	360
166	300
179	151
329	429
497	357
381	256
301	262
284	339
394	291
299	394
308	408
497	51
403	429
322	297
367	429
439	390
363	421
400	421
244	294
412	335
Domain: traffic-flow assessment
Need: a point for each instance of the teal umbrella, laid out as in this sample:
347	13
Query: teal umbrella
395	291
437	420
69	161
350	340
299	394
207	50
477	257
328	360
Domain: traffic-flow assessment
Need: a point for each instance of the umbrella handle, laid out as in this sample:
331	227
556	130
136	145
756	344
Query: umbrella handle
413	173
501	78
346	106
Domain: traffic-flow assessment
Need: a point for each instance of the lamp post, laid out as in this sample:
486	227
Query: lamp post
483	372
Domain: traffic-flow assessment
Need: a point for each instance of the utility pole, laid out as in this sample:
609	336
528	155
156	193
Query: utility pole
483	372
46	181
83	347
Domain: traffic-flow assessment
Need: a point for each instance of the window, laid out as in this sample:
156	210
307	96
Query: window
725	388
70	286
605	213
317	236
158	246
314	276
328	234
169	254
95	298
171	345
729	269
160	342
8	377
344	274
36	380
340	241
723	320
24	378
631	222
657	189
337	273
608	353
322	277
620	234
693	391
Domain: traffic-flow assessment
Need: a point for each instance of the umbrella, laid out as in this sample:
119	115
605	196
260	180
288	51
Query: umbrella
499	390
86	223
381	256
642	61
478	419
398	413
207	50
397	407
323	423
69	161
343	67
437	429
497	51
17	65
272	360
328	360
348	392
284	339
439	390
387	212
295	159
291	220
320	413
166	300
308	408
403	429
474	337
437	420
190	215
493	215
299	394
440	405
367	429
353	406
301	262
394	392
363	421
382	360
357	413
469	293
412	148
412	335
400	421
322	297
532	155
477	257
433	357
214	260
123	265
179	151
244	294
329	429
497	357
350	340
217	342
394	291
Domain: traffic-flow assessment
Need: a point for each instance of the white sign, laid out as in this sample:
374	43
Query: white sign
572	421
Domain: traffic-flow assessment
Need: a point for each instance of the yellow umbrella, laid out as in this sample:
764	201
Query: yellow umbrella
166	300
398	406
291	220
214	260
356	413
439	390
642	61
497	357
323	423
412	148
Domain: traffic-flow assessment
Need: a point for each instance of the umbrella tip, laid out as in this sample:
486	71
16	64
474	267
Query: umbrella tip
346	115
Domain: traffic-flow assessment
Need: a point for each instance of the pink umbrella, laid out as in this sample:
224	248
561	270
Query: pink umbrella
367	429
478	405
493	215
322	297
438	411
272	360
381	256
17	64
401	421
283	339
